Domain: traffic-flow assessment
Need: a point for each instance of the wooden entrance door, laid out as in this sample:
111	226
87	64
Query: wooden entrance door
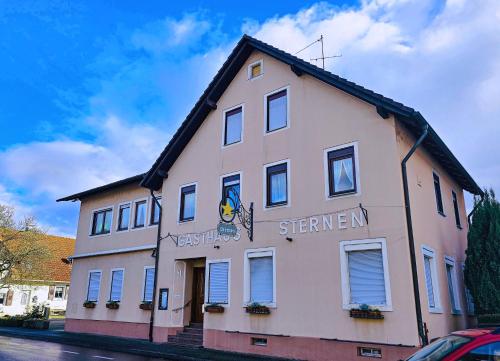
198	294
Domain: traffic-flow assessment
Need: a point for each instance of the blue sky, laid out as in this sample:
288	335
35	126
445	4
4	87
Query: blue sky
91	91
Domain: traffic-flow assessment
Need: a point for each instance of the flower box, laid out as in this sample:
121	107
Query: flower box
258	310
89	304
113	305
367	314
214	309
146	306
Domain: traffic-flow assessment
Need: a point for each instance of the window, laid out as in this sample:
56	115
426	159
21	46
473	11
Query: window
140	214
101	221
59	293
260	276
149	279
277	110
94	285
276	185
231	188
115	293
488	352
369	352
188	203
341	171
124	217
155	211
218	282
255	69
365	274
431	282
233	125
452	284
437	191
25	297
163	299
455	208
3	298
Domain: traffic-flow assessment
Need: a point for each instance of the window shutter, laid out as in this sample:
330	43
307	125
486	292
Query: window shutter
428	281
116	286
218	283
52	290
66	293
148	284
94	281
261	279
366	277
10	295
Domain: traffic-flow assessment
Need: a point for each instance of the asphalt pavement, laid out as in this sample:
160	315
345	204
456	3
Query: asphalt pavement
16	349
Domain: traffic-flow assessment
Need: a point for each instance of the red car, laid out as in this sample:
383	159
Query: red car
468	345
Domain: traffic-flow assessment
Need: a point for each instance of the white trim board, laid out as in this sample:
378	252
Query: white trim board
114	251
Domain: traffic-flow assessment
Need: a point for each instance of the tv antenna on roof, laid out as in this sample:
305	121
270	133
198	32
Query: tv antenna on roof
322	57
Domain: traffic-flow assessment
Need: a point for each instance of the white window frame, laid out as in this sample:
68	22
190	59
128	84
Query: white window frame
327	173
144	283
250	66
196	190
152	204
92	212
111	282
359	245
118	217
88	285
288	117
254	253
288	184
242	106
456	308
207	278
63	292
134	204
431	253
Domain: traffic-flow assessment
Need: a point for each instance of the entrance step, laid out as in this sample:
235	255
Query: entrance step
192	335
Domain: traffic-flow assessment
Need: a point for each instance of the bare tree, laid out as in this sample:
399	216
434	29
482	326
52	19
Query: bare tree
22	252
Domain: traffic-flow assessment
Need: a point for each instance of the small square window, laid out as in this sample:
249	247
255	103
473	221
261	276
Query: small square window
341	171
255	70
233	125
59	293
276	185
277	111
187	203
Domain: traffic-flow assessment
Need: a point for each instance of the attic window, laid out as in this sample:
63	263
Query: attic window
255	69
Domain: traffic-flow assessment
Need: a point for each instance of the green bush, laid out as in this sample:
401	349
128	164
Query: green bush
13	321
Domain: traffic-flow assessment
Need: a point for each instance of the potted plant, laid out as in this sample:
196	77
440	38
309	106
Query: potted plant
89	304
214	308
256	308
365	311
146	305
113	305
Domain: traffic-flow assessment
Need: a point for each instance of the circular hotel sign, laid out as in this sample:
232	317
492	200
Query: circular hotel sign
227	210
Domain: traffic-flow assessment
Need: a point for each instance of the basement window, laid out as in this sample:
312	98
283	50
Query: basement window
259	341
369	352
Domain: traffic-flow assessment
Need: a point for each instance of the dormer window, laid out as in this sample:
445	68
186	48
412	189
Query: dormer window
255	70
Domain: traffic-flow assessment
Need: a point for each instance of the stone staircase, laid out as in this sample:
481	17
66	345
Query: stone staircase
192	335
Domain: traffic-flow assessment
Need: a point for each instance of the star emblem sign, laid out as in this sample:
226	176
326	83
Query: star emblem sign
227	209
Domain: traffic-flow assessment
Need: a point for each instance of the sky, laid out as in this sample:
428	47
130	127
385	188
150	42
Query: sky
92	91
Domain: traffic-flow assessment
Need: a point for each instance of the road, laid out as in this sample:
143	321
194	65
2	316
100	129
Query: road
16	349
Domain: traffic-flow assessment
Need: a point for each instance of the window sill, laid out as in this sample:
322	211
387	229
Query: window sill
122	230
456	313
268	132
459	227
341	195
279	205
182	221
229	145
442	214
386	308
138	227
269	305
100	234
435	310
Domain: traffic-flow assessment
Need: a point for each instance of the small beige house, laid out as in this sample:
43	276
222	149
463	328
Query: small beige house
349	236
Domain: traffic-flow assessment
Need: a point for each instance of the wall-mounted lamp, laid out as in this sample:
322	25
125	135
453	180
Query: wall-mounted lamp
289	239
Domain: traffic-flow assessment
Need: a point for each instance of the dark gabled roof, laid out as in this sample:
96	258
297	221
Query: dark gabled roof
106	187
412	119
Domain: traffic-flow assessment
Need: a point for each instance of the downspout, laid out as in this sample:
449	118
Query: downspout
157	259
411	240
469	216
